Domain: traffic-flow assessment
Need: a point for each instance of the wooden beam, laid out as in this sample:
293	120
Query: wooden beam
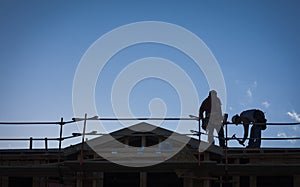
252	181
296	180
143	179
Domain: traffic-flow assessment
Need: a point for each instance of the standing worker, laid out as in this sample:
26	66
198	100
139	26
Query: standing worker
247	117
211	106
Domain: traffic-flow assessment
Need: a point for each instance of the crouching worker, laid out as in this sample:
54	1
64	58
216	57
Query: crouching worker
251	116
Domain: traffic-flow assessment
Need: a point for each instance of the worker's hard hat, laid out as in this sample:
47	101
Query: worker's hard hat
213	92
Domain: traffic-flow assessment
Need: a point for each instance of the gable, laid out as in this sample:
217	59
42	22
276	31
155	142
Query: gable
146	141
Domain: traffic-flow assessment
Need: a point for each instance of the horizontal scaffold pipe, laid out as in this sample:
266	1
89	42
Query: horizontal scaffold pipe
268	138
96	118
24	139
134	119
37	123
279	123
136	135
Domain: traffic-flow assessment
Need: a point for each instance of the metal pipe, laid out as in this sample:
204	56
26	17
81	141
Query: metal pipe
46	144
60	133
82	140
30	143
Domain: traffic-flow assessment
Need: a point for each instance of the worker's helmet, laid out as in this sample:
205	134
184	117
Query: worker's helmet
213	93
236	119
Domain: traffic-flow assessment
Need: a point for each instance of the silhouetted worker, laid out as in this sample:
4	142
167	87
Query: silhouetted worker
211	106
247	117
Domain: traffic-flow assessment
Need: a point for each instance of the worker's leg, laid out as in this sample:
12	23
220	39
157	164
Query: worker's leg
252	136
257	137
210	132
221	137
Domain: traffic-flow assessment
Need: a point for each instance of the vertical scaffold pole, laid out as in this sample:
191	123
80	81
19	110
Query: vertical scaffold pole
46	144
30	143
60	137
82	140
226	139
199	130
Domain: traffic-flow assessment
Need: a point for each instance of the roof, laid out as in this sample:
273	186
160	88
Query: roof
147	130
241	161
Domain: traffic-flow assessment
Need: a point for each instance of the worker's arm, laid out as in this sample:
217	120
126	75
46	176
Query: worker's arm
202	109
201	113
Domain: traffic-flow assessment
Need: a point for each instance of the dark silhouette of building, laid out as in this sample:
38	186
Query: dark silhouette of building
79	165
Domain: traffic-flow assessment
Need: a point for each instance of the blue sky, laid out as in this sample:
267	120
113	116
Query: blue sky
256	43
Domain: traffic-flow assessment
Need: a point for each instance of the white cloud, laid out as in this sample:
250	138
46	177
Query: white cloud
295	128
292	141
251	88
283	135
249	93
294	116
255	84
237	81
266	104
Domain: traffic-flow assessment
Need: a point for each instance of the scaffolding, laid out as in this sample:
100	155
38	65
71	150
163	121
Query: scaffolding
198	133
232	162
62	123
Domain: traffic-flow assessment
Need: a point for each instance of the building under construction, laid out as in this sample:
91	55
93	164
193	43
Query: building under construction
80	165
